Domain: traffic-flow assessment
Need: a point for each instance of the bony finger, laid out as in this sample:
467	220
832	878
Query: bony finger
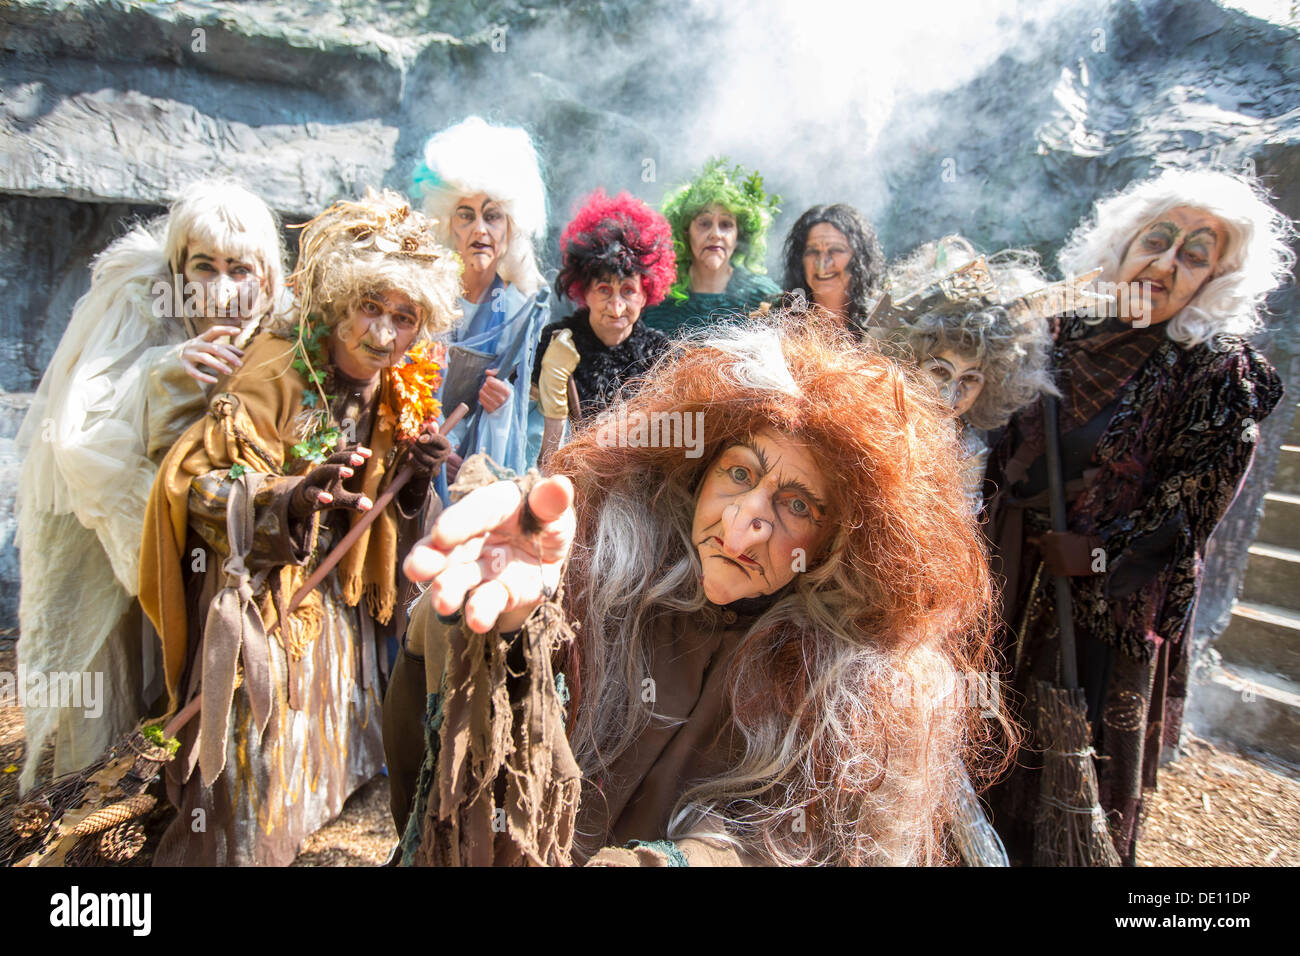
550	498
479	512
217	331
449	587
484	605
424	563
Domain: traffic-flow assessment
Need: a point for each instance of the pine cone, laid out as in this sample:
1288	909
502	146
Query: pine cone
32	817
120	812
122	842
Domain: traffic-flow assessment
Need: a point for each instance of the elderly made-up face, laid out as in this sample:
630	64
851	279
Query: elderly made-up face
760	517
374	334
1172	258
958	376
220	286
481	231
614	304
826	258
714	234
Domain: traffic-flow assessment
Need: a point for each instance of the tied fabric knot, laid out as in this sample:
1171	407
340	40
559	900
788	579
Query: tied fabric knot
234	632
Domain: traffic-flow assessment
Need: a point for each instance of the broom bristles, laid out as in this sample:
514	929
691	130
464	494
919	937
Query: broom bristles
139	761
1069	825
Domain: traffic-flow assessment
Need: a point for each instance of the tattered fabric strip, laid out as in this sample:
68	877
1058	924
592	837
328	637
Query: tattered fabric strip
505	785
233	632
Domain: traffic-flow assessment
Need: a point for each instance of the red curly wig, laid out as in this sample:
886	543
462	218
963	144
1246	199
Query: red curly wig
901	592
619	237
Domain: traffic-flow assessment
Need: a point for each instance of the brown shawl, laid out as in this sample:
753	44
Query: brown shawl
255	422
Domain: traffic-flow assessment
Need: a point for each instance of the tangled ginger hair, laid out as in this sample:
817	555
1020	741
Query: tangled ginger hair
837	689
618	237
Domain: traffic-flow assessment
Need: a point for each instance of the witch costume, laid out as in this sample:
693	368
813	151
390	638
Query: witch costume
1156	440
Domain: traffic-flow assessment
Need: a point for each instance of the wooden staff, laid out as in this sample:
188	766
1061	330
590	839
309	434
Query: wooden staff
367	519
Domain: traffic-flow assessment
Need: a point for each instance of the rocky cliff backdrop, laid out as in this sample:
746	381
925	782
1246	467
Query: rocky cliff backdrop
1001	120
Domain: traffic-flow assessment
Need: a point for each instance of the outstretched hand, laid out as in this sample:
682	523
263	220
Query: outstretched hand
487	554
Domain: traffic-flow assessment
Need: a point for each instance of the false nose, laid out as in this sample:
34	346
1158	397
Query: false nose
749	524
383	331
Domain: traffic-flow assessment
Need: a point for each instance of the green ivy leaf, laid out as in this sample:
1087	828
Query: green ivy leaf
236	470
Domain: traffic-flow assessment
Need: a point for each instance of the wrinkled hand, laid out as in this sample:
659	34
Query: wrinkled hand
494	392
1067	554
479	554
322	489
426	454
206	350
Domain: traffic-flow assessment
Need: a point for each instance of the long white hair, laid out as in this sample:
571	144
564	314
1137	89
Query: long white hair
1255	261
476	157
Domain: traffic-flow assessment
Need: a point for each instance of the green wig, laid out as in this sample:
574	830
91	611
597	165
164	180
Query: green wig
740	194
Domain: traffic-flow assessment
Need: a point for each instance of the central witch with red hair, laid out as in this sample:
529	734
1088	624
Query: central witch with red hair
771	638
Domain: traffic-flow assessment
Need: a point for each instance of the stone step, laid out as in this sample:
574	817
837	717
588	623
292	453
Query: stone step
1263	637
1273	576
1250	709
1287	476
1280	524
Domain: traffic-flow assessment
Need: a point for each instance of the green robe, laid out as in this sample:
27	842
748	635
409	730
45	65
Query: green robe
745	292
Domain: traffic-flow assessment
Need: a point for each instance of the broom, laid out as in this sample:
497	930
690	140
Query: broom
1069	825
104	800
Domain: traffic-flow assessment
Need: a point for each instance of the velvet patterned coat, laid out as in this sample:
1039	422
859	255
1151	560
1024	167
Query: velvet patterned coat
1164	471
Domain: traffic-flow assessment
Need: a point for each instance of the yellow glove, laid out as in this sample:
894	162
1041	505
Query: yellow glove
558	363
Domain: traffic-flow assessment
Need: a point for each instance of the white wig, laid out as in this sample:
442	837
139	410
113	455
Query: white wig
1254	262
476	157
228	216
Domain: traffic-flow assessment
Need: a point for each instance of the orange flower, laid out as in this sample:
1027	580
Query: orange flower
414	384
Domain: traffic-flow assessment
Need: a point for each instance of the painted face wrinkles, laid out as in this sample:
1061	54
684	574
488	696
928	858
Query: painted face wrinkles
713	234
220	286
958	376
615	304
826	258
374	334
1171	258
760	517
481	231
